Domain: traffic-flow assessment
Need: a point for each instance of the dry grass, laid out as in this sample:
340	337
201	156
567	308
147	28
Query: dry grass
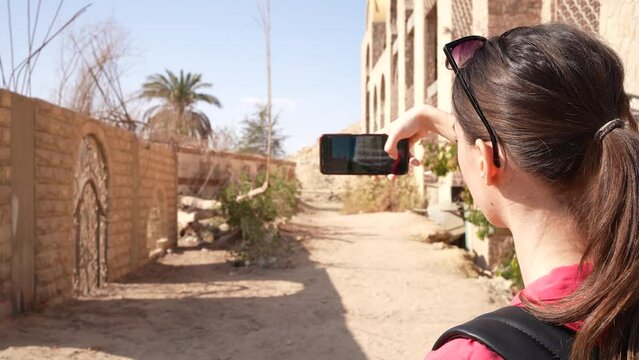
365	195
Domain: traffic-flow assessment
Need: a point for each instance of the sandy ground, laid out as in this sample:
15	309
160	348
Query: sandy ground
362	287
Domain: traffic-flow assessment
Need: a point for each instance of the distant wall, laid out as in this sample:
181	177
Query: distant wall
194	165
87	202
619	26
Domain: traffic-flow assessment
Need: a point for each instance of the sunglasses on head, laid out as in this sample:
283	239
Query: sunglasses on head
458	53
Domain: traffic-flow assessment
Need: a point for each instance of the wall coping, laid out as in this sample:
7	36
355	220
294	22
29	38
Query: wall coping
234	155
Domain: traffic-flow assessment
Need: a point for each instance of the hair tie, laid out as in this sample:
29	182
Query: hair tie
608	127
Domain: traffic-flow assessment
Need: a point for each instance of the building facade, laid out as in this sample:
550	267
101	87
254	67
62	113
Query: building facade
403	64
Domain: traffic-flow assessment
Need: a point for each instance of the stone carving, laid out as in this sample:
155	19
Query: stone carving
89	218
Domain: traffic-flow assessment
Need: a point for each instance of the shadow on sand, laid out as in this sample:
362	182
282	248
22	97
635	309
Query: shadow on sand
199	310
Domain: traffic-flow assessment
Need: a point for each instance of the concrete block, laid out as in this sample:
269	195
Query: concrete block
53	224
5	99
5	155
5	194
5	238
41	123
5	118
5	209
5	136
45	259
5	175
53	241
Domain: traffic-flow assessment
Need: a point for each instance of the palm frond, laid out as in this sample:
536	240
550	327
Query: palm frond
179	95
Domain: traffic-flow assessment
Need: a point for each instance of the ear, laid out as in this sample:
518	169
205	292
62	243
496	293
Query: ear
486	164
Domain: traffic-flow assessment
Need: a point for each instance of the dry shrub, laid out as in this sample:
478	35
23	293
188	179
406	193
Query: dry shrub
257	216
365	195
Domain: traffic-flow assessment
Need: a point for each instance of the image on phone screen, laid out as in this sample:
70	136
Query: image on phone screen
362	154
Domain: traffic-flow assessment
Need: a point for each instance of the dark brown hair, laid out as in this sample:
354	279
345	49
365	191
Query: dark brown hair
546	90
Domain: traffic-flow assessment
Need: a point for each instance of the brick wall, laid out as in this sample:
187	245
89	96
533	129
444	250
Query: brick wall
507	14
619	26
134	173
194	166
5	204
379	41
158	188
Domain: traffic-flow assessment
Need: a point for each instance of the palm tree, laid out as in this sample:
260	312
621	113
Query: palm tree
176	116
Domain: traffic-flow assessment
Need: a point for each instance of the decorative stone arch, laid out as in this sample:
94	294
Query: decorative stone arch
92	128
157	231
90	213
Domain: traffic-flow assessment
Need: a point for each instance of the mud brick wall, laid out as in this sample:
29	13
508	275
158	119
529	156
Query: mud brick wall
194	166
507	14
5	204
157	197
92	187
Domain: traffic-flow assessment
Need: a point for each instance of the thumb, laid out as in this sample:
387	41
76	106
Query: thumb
391	144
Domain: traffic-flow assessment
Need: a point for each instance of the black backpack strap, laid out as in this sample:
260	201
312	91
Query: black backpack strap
513	333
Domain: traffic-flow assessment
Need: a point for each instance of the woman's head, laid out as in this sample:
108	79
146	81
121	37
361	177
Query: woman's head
546	91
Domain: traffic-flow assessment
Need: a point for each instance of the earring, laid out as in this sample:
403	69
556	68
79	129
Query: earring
482	175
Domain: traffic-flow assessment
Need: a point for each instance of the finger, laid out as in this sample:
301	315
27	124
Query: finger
391	144
391	177
414	140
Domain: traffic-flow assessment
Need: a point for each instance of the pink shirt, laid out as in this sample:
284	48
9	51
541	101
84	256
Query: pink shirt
557	284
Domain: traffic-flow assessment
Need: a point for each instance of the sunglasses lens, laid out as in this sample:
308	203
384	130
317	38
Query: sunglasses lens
465	51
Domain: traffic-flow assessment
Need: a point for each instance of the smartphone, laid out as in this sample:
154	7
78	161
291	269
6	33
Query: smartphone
361	154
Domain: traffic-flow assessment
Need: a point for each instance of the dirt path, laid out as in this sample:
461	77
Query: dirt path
361	288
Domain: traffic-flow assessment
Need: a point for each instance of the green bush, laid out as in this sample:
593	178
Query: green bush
440	158
366	195
510	270
261	243
279	201
476	217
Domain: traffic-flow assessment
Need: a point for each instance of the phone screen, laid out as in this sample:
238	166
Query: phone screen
361	155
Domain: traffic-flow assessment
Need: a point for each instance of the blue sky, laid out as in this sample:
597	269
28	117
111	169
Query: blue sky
315	50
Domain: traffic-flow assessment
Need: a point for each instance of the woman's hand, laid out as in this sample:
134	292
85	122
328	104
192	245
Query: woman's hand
414	125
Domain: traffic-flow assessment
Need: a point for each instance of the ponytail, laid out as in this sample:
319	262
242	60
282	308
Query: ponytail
608	211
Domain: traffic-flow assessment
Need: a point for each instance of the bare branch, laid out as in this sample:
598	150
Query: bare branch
17	70
31	41
90	76
10	38
4	80
51	24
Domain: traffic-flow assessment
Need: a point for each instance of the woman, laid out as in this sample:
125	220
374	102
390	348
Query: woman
548	148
